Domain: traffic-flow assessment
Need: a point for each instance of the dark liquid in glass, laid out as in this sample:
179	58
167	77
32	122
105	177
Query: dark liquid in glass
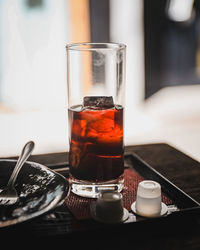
96	143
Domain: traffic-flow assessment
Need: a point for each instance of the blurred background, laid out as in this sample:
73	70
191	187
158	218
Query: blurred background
162	79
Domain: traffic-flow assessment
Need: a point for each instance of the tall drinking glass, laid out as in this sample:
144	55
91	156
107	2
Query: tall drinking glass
95	80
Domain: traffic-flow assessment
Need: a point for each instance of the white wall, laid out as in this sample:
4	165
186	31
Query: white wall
33	54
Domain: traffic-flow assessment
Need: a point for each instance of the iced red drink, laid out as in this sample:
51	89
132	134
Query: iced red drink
96	140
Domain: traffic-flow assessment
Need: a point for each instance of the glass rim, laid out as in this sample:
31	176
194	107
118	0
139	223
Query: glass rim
95	46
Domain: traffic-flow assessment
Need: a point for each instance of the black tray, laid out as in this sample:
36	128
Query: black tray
180	198
61	223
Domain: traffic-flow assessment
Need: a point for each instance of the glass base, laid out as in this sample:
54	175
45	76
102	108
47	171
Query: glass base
92	189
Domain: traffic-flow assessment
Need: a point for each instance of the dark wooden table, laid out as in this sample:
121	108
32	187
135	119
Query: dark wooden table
182	233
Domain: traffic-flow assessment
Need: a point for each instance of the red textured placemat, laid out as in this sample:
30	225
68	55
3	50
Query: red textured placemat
80	207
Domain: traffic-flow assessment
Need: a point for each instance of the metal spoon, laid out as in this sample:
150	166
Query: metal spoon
9	196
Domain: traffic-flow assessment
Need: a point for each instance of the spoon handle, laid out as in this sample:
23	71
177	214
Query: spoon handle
26	151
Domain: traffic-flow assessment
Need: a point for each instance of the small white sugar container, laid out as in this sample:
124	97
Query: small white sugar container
148	199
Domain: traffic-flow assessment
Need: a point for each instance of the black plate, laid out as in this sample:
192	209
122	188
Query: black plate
40	190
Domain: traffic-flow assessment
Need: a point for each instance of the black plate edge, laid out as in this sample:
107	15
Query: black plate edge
67	184
53	205
182	199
